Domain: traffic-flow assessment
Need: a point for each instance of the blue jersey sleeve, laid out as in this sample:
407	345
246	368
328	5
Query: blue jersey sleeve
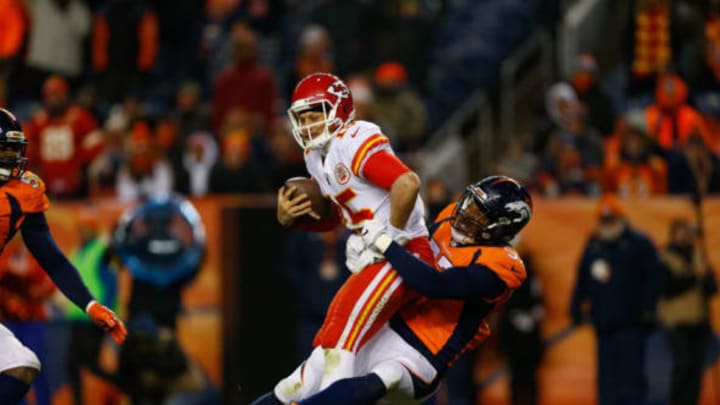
42	246
475	281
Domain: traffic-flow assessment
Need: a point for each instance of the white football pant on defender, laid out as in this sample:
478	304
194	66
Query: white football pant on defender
14	354
304	381
386	354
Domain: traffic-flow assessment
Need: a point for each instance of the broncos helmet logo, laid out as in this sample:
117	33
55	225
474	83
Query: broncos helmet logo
521	208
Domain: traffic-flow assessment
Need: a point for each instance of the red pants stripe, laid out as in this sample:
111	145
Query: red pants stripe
366	301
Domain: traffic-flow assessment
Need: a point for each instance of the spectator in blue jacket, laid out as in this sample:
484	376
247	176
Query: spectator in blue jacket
620	276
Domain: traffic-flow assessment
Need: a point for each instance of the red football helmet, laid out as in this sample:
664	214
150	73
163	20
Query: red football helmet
321	92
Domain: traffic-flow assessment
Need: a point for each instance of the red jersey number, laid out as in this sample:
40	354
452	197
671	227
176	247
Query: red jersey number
344	197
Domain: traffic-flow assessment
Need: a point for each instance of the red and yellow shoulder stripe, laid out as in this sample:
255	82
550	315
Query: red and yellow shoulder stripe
367	146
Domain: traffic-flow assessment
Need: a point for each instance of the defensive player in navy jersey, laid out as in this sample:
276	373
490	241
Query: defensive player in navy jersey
475	270
22	208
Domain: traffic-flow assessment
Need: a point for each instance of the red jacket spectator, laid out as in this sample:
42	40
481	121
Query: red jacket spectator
246	85
63	139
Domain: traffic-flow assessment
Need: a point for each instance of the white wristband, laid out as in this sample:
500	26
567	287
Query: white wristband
398	235
383	242
87	307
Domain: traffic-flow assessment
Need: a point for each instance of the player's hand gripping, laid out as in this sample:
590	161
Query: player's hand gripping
358	256
371	231
378	236
292	205
106	320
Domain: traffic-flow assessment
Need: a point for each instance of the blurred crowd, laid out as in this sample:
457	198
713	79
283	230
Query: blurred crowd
127	98
121	97
649	126
124	97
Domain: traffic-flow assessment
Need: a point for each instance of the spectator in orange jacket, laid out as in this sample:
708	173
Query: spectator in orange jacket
635	170
671	121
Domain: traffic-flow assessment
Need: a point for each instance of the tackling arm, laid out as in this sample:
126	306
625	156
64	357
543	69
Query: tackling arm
453	283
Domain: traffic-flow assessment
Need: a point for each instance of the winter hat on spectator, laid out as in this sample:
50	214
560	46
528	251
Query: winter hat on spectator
586	62
609	207
360	89
671	91
585	70
204	141
315	38
392	74
141	136
558	93
116	122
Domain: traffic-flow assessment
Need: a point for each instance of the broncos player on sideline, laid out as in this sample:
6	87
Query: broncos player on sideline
475	272
22	208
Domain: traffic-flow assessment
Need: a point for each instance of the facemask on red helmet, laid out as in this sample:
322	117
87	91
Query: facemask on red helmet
329	99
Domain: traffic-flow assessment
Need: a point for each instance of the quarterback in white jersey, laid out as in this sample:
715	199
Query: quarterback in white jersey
339	172
355	167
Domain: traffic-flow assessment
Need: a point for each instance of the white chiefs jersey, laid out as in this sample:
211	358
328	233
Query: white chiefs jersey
340	178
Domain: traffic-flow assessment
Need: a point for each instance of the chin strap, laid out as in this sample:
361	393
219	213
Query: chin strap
460	238
5	174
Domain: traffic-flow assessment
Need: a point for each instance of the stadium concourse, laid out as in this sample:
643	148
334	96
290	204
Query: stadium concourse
125	102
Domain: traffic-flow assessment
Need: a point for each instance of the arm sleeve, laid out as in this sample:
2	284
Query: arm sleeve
580	292
383	168
709	283
80	18
454	283
675	286
42	246
148	38
109	280
654	276
100	39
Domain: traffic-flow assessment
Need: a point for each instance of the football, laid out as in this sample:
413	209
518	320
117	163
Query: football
320	205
